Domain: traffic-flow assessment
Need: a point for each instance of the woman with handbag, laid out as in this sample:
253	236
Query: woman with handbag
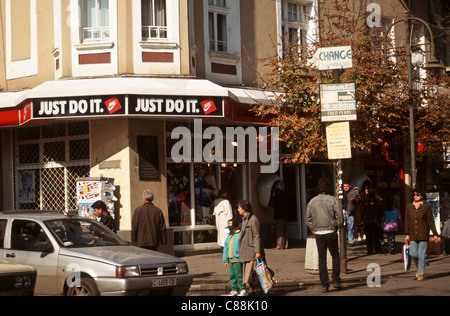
250	244
418	223
391	221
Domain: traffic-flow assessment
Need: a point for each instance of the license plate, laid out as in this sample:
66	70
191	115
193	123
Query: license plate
164	282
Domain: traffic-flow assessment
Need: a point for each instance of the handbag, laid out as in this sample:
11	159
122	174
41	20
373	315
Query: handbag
265	277
390	227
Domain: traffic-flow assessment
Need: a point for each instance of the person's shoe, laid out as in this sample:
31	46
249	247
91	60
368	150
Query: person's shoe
338	285
324	290
276	248
242	293
233	293
417	275
420	277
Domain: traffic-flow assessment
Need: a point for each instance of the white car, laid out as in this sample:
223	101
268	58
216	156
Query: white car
79	256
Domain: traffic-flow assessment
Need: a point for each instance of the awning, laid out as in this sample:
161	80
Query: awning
132	96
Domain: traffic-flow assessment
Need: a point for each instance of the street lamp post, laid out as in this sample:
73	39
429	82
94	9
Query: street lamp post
407	19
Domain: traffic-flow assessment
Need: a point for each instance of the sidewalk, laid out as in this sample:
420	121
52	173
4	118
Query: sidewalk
211	276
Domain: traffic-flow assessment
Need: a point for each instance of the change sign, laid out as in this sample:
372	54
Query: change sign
338	57
338	102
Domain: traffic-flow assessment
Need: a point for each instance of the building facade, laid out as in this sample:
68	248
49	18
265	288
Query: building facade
114	89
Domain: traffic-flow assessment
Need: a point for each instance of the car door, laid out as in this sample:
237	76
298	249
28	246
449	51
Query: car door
29	244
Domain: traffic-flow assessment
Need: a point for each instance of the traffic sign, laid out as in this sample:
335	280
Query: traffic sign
337	57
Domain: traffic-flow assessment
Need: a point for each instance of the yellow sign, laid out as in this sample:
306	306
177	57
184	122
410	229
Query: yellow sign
338	141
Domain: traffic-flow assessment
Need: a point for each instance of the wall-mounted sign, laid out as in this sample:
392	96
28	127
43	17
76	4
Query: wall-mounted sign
175	106
137	105
147	149
79	106
338	102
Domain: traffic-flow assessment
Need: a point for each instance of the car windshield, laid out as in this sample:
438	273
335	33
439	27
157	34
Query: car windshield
79	232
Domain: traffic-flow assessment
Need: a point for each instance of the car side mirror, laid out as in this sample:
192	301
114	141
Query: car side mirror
44	246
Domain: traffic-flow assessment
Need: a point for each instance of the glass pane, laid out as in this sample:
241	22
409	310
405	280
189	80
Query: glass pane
221	27
28	188
104	13
179	195
54	152
313	173
89	14
205	185
29	154
79	149
52	131
146	12
160	12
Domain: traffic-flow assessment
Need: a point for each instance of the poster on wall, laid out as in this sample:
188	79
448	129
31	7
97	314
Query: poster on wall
433	201
27	188
88	191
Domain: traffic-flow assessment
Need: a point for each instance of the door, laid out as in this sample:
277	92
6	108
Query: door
29	244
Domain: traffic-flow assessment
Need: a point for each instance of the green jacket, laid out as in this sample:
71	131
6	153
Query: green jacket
231	248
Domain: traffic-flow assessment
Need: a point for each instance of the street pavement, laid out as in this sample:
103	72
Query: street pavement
211	277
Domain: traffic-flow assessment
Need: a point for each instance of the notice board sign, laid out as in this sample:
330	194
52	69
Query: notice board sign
147	149
338	141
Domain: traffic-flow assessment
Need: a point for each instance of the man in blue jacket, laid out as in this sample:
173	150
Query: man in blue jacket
231	259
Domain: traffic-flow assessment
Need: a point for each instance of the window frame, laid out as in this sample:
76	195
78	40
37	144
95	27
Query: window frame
97	21
162	31
300	24
218	8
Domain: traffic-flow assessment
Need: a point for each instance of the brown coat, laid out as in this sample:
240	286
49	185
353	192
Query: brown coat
419	222
148	227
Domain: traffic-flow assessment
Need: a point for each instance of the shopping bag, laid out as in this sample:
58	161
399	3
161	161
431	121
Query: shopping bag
406	257
265	277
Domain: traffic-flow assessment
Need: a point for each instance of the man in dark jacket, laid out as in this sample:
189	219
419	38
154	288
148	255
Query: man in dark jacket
148	227
101	211
324	217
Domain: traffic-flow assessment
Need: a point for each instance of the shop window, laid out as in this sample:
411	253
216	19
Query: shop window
95	20
46	171
154	19
179	194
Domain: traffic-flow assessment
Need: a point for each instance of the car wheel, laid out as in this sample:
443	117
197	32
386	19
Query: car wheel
87	288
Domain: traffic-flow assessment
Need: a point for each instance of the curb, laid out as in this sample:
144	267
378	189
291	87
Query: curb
217	285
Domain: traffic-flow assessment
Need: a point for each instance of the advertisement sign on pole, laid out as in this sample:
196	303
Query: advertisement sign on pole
338	141
338	102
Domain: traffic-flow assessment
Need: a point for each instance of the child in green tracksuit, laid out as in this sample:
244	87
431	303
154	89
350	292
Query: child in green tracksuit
231	259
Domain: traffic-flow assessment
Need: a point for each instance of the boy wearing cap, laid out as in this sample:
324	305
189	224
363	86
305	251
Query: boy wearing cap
231	259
